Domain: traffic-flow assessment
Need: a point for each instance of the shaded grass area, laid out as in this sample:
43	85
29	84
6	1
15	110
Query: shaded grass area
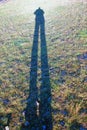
66	45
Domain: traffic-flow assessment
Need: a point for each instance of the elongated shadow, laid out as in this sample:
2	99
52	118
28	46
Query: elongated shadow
42	120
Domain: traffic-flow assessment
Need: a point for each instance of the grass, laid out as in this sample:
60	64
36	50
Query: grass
83	33
65	42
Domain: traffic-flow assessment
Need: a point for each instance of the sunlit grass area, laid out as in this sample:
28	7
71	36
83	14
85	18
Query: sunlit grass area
66	38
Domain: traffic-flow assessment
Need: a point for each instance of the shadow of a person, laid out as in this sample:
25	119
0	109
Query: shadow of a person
42	101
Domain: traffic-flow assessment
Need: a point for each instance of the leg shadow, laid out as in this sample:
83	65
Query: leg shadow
45	89
31	109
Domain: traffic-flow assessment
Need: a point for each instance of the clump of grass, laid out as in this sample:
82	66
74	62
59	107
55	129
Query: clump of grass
83	34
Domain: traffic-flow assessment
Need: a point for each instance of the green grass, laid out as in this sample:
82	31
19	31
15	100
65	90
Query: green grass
83	34
65	42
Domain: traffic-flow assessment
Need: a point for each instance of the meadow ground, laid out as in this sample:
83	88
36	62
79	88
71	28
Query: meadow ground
66	42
